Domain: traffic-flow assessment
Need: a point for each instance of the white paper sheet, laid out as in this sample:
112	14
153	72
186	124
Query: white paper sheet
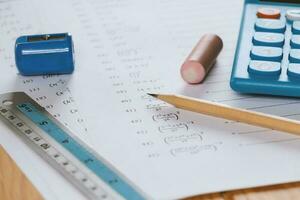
137	47
127	48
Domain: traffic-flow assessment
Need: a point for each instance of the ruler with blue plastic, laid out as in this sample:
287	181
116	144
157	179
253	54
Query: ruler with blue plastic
76	161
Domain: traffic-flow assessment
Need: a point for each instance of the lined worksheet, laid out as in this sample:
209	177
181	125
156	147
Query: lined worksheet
137	47
126	48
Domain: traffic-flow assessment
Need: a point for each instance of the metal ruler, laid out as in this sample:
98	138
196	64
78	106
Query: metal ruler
77	162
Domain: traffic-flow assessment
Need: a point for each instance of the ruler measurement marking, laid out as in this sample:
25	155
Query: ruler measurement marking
52	152
78	151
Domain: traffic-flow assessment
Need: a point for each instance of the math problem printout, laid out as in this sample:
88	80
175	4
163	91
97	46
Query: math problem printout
125	49
136	47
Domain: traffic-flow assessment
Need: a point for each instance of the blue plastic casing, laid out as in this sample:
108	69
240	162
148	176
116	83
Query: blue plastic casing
245	80
44	54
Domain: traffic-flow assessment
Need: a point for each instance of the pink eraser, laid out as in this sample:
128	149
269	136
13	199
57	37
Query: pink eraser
201	59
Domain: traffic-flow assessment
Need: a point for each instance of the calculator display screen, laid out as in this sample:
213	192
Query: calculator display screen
283	1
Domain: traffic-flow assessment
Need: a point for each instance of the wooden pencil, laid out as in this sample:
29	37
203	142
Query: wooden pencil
231	113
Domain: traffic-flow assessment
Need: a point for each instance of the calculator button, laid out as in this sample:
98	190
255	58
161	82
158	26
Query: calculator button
270	13
295	42
296	27
266	53
294	56
293	15
294	70
264	68
268	39
270	25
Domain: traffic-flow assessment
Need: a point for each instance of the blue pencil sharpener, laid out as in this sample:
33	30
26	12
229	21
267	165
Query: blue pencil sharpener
45	54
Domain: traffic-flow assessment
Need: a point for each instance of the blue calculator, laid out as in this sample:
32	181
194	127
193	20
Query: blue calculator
267	58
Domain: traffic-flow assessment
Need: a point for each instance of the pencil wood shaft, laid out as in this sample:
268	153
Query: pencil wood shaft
231	113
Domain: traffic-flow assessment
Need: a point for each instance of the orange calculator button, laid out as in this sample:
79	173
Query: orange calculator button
269	13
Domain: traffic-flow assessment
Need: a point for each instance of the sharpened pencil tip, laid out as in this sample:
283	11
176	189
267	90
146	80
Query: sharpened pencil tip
153	95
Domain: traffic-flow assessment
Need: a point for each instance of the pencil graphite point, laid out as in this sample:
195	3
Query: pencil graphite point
153	95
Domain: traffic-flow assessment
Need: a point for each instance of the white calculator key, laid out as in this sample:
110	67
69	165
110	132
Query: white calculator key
293	15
